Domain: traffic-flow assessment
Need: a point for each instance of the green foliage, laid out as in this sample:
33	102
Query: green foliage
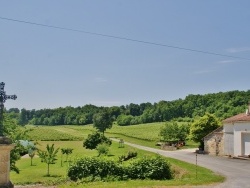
130	155
94	168
203	126
15	133
222	104
124	119
67	152
103	149
95	139
173	132
48	156
156	168
102	121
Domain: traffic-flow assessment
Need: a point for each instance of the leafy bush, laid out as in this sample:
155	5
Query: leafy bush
156	168
102	149
94	168
130	154
95	139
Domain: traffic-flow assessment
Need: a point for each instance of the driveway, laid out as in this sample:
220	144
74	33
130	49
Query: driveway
236	171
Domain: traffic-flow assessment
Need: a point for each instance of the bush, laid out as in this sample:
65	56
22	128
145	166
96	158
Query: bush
150	168
102	149
95	139
130	154
94	168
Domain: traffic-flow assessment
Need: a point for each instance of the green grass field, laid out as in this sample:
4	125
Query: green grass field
143	134
72	137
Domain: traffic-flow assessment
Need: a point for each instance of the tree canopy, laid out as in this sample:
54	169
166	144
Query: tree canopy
13	131
174	132
203	126
222	105
102	121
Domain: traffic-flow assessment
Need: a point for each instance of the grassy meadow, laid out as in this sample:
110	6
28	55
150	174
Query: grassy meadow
73	136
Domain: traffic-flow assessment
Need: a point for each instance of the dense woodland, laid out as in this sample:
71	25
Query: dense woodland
222	105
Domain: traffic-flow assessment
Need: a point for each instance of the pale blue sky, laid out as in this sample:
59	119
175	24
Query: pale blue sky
49	68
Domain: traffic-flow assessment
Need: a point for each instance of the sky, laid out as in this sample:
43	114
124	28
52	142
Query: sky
117	52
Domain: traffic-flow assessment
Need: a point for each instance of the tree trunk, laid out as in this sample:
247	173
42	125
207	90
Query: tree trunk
48	170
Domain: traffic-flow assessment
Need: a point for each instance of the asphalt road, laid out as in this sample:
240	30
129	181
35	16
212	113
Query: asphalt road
236	171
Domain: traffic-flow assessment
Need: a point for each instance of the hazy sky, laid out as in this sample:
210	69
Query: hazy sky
48	67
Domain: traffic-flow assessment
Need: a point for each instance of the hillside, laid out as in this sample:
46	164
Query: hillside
222	104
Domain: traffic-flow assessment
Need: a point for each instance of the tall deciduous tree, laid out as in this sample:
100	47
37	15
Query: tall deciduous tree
203	126
102	121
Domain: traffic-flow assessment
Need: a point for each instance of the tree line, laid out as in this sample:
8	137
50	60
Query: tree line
222	105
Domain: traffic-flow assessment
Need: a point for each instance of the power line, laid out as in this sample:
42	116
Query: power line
123	38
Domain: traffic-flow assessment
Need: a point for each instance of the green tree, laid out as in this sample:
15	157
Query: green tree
67	152
95	139
49	156
174	132
102	121
203	126
32	153
15	133
124	119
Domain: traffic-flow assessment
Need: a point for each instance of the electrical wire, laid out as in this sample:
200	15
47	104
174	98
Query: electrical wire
123	38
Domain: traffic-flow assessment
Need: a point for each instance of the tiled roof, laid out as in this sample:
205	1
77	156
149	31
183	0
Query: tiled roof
218	130
240	117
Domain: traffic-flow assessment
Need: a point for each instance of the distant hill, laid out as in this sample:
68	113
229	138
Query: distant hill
222	104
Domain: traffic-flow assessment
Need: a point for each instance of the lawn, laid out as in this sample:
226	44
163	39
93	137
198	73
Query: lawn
72	137
142	134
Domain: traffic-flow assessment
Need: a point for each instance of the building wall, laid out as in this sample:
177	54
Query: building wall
240	126
229	144
237	143
214	144
228	128
246	143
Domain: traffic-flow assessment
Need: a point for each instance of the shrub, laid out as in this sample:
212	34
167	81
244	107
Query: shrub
95	139
102	149
156	168
94	168
130	154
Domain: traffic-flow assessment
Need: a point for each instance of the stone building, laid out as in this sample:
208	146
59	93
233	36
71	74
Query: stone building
214	142
232	139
